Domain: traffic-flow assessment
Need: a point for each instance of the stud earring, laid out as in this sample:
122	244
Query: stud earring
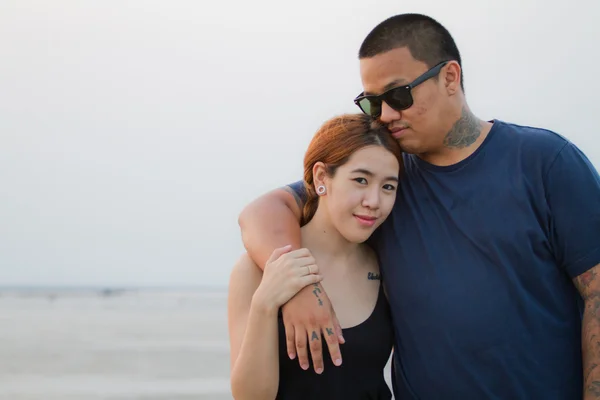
321	190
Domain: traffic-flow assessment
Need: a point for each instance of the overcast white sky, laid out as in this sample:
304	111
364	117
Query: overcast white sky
132	132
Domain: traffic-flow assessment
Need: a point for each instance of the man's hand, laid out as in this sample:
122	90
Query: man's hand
306	316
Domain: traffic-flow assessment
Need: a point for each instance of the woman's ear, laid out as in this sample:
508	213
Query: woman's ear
319	174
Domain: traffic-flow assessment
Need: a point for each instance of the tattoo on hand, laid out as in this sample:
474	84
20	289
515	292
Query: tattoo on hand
373	276
316	292
329	331
314	336
464	132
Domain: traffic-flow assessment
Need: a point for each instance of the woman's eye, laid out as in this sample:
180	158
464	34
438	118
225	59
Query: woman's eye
360	180
389	187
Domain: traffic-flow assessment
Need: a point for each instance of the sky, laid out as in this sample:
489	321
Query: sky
133	132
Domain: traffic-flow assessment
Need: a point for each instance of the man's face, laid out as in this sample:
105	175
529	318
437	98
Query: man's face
420	128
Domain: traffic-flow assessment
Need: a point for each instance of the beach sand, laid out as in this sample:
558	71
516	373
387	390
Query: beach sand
113	345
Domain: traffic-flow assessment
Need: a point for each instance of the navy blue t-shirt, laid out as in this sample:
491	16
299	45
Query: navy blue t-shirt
478	258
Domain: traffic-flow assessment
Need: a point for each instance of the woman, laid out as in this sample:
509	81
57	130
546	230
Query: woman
351	171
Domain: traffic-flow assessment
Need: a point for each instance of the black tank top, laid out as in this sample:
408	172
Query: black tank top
360	377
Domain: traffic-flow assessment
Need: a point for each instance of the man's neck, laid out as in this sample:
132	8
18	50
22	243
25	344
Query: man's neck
465	136
325	241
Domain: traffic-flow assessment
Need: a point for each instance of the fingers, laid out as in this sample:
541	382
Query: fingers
296	259
333	336
290	341
301	351
316	349
304	270
338	329
299	253
306	280
331	339
300	257
301	262
278	253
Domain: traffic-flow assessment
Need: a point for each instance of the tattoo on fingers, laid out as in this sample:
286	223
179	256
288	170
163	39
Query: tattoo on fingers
314	336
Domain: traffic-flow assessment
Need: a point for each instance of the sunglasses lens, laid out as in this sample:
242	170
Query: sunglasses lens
399	99
372	108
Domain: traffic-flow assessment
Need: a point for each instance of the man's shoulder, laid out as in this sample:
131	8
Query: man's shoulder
539	140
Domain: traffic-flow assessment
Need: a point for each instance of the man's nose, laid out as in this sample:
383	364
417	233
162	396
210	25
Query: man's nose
388	114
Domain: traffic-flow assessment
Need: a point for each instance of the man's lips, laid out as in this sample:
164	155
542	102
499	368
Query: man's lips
397	131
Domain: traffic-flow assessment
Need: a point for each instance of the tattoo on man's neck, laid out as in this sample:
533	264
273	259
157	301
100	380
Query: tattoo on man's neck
464	132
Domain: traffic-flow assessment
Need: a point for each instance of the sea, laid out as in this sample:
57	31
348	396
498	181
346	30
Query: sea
114	344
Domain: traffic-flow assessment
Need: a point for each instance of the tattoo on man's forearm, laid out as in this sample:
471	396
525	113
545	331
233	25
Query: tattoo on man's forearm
589	371
586	279
464	132
590	339
587	284
314	336
594	388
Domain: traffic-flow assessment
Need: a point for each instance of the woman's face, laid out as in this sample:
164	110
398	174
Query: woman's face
361	194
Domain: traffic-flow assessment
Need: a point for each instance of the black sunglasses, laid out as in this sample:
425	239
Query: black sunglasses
399	98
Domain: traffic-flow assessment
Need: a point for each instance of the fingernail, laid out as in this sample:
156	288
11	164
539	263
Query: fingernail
292	356
319	370
304	367
338	362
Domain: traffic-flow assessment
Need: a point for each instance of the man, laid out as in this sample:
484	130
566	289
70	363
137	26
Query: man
491	255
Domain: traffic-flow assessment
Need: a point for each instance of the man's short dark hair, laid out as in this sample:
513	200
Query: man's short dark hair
427	40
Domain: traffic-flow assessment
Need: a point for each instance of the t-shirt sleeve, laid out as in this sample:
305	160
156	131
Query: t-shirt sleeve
573	195
299	188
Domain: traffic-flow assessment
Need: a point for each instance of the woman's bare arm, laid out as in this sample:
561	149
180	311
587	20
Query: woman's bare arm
253	336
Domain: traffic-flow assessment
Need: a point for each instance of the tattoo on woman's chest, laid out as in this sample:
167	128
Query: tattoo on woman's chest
372	276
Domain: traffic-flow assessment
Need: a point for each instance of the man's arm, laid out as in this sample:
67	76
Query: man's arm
272	221
572	188
588	285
